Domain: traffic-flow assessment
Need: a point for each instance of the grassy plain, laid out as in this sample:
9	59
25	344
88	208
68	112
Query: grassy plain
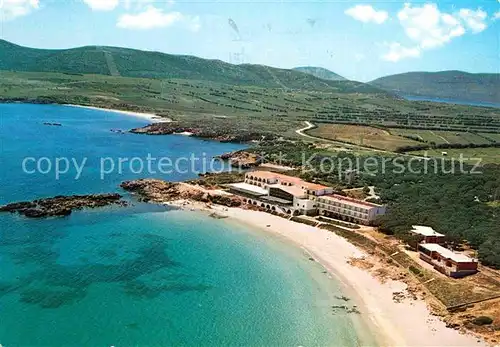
469	155
491	137
361	135
391	139
447	137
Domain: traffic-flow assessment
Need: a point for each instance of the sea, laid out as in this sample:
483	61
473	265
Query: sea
144	275
451	101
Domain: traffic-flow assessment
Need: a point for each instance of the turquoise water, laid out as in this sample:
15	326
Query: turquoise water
145	275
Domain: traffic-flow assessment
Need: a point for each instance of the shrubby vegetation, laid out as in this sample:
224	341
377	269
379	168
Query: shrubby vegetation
482	320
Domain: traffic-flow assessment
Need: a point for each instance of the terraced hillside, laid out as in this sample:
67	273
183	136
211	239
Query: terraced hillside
126	62
320	73
389	112
362	136
281	110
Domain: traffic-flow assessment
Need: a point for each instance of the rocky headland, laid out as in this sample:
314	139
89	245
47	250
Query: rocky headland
208	131
242	159
159	191
62	205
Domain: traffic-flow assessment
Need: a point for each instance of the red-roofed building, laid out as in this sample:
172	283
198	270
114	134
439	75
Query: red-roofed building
303	197
448	262
266	178
428	234
298	195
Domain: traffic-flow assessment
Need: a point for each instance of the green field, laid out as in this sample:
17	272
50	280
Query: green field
423	135
491	137
475	138
470	155
396	139
447	137
361	136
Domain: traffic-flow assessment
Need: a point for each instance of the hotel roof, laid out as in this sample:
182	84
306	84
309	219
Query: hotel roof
262	174
425	231
356	202
248	188
446	253
313	186
284	178
294	190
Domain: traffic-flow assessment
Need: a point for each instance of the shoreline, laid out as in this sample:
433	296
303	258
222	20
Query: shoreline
146	116
405	323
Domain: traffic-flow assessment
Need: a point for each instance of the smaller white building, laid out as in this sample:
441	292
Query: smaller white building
446	261
353	210
429	234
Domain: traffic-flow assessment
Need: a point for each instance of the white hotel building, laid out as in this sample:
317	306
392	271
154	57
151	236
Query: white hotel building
270	190
295	196
349	209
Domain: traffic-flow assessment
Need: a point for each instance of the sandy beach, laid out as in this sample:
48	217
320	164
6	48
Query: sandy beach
405	323
147	116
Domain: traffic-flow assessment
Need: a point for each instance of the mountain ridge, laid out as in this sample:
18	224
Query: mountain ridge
448	84
320	72
129	62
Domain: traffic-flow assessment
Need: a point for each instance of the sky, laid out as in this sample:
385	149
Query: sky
358	40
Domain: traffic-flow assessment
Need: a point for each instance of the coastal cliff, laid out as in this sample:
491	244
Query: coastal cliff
61	205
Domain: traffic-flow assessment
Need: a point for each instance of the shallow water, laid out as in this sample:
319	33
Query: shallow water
144	275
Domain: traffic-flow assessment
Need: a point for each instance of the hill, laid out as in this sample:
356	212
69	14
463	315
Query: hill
115	61
320	73
458	85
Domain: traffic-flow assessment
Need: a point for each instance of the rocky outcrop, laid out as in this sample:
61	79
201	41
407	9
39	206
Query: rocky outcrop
61	205
150	189
154	190
229	201
218	180
212	132
242	159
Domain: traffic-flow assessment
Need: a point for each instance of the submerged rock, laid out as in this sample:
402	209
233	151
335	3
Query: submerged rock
61	205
